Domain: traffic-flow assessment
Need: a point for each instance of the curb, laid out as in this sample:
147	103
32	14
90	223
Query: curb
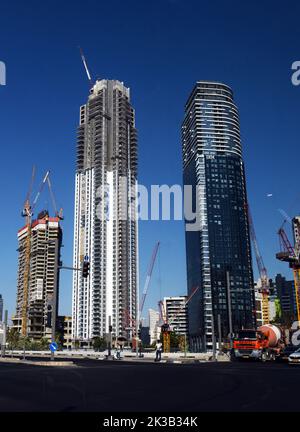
38	363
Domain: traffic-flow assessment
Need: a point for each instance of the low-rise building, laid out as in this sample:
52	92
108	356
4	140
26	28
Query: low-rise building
154	328
64	328
145	336
177	315
258	308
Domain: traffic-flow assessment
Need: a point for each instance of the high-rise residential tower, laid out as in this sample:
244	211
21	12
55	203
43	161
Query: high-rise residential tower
218	252
105	226
44	232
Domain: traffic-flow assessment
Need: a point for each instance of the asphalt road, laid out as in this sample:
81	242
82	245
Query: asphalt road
123	386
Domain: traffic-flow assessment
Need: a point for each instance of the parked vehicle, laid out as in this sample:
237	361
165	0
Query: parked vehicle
265	343
294	358
286	352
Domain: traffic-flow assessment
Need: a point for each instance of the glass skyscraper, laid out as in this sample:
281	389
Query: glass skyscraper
218	253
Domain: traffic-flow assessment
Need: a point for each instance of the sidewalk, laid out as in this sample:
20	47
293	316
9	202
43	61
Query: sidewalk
36	362
177	358
69	356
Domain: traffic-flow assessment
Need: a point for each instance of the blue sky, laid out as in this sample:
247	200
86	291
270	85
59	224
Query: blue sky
159	49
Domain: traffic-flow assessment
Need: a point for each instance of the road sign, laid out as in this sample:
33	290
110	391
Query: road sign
53	347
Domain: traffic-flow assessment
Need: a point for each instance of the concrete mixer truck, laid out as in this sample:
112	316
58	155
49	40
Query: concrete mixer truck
265	343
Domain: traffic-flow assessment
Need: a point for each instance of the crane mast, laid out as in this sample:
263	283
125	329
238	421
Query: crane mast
290	254
265	286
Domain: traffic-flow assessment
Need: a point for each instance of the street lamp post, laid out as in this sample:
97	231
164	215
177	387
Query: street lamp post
4	333
54	301
229	309
109	337
213	337
219	332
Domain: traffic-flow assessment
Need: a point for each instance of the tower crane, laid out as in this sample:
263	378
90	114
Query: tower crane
85	66
148	278
166	327
136	323
265	285
291	255
27	212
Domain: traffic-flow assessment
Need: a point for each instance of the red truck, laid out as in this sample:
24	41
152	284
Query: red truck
265	343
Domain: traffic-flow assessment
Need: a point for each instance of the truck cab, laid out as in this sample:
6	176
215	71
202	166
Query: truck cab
252	344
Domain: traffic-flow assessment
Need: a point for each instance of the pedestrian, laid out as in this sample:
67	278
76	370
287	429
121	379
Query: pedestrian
158	348
118	352
141	351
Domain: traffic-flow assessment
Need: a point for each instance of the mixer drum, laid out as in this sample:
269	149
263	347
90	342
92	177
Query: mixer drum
272	332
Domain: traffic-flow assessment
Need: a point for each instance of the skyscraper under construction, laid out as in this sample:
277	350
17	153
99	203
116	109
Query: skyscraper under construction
105	227
38	261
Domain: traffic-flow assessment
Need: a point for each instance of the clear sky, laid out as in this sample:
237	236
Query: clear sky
159	48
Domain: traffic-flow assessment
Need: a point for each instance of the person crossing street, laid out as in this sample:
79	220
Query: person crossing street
158	348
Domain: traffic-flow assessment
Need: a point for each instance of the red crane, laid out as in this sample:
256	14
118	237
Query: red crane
136	324
290	254
148	278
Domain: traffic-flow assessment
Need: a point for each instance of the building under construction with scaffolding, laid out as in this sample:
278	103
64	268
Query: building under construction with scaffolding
105	225
45	230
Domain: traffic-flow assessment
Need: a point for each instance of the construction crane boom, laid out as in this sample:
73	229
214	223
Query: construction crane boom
290	254
40	191
194	290
57	213
285	244
265	286
148	278
163	312
85	66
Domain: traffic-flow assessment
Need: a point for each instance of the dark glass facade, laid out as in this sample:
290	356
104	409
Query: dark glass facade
285	291
220	250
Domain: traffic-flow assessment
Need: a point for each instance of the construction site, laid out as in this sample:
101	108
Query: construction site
106	308
39	263
39	248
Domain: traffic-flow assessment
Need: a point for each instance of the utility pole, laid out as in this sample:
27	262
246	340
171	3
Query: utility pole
4	333
219	332
109	337
213	337
137	325
229	308
185	344
54	301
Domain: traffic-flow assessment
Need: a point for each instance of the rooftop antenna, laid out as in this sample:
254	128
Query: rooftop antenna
85	66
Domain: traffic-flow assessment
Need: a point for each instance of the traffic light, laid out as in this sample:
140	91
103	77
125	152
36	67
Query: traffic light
110	329
85	269
165	328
